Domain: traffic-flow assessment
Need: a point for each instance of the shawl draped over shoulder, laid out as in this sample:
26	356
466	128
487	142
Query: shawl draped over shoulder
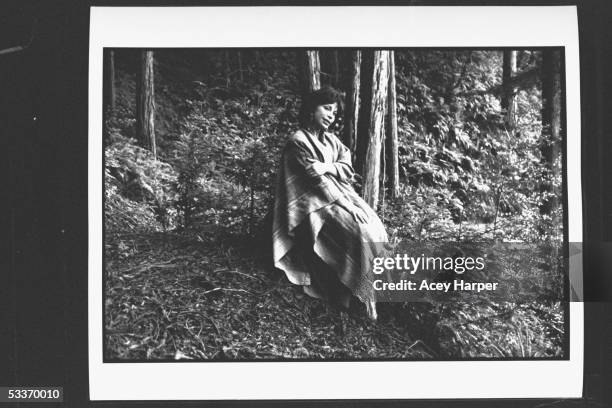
345	245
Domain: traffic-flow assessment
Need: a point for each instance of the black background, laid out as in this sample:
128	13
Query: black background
44	131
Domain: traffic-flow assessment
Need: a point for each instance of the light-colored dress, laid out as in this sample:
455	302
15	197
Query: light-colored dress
309	222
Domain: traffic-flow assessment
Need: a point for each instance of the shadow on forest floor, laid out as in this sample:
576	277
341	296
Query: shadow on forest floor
179	297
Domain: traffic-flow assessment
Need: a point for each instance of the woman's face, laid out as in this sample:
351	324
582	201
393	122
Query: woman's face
324	115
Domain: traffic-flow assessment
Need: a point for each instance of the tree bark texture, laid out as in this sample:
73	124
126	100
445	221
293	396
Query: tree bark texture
375	135
351	113
551	125
311	71
145	103
365	103
391	148
109	95
109	81
240	73
228	69
508	101
257	57
336	68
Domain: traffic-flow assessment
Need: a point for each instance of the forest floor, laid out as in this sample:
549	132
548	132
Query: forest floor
183	297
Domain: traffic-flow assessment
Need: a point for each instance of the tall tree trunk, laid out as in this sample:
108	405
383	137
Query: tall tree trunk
257	57
365	104
508	101
391	139
228	69
376	120
145	103
109	81
551	125
336	67
240	66
351	114
311	70
109	96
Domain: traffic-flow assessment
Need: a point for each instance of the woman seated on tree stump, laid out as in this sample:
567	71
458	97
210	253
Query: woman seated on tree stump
324	235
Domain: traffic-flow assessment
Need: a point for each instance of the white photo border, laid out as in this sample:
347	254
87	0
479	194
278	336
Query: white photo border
330	26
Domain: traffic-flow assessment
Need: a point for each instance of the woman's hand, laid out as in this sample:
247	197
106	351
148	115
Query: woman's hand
317	168
359	215
363	207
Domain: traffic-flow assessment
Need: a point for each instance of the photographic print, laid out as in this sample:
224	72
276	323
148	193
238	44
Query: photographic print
223	242
294	205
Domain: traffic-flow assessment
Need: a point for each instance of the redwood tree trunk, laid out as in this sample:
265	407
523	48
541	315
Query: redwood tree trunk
376	120
228	69
508	101
551	125
392	144
351	114
109	96
311	71
109	81
365	104
145	102
240	73
336	68
257	57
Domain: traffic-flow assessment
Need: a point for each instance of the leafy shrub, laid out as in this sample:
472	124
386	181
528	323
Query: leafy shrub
454	146
144	185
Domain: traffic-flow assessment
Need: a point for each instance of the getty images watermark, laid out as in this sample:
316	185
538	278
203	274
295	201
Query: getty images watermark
452	271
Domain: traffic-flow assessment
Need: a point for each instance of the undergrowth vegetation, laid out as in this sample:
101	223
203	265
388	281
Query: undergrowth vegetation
171	296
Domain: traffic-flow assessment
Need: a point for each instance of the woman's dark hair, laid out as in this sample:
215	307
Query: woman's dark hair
322	96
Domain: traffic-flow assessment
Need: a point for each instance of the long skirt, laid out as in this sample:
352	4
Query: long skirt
339	252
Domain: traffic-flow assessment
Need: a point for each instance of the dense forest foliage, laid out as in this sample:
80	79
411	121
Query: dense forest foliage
222	119
478	157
